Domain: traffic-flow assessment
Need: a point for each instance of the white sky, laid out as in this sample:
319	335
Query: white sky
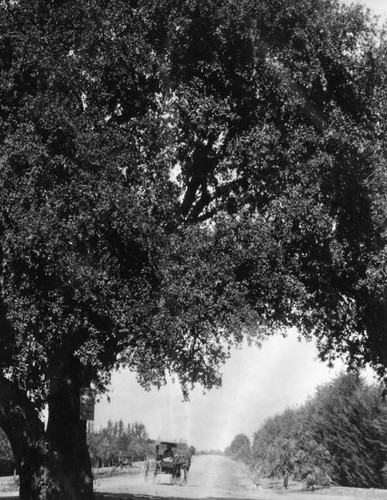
256	385
378	6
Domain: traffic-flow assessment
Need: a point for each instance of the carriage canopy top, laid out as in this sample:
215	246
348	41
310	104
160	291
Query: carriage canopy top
166	443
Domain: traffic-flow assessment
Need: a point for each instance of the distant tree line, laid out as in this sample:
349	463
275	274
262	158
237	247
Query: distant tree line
120	444
339	436
239	449
210	452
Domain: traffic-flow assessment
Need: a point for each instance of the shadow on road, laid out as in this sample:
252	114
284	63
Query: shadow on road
126	496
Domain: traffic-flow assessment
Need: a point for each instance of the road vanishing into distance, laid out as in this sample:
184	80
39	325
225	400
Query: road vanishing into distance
210	476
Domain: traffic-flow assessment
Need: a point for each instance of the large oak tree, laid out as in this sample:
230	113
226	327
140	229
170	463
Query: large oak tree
176	175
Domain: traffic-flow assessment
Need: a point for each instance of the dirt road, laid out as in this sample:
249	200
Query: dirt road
216	477
209	477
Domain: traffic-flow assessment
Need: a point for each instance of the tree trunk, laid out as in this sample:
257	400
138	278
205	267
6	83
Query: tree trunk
52	465
66	433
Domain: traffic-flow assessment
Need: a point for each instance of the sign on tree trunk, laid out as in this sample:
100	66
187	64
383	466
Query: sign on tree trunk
87	402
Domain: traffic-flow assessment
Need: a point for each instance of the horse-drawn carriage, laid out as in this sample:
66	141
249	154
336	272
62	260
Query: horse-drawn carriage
175	465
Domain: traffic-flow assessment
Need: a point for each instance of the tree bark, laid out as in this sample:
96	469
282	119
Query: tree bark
66	432
52	464
20	421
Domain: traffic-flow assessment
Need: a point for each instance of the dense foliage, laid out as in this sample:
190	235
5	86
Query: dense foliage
176	175
338	436
273	132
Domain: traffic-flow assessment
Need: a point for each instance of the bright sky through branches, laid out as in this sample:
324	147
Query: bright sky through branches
256	384
379	7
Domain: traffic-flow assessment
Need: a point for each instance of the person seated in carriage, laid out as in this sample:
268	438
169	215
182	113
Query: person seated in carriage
168	454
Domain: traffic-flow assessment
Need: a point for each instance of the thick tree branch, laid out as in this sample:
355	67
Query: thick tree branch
19	419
